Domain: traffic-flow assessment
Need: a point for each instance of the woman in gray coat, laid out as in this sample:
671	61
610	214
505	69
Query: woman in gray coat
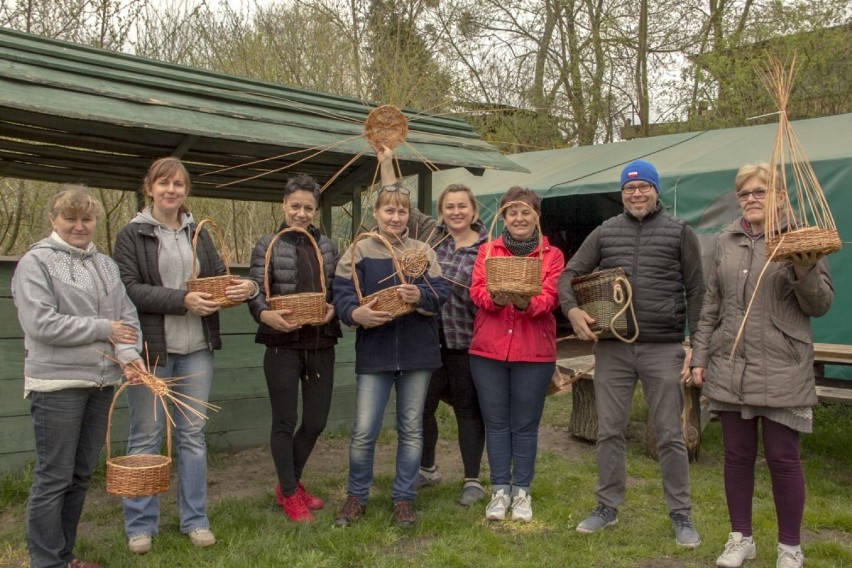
769	379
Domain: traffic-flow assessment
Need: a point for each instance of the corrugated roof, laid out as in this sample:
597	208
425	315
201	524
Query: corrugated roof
75	113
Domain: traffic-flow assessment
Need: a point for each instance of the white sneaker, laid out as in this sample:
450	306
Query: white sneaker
498	506
521	506
787	559
139	544
737	550
202	538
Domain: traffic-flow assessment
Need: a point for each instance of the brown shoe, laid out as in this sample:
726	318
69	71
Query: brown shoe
77	563
403	513
351	510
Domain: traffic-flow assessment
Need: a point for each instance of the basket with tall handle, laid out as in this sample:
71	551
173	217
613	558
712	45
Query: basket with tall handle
519	275
388	299
307	308
213	285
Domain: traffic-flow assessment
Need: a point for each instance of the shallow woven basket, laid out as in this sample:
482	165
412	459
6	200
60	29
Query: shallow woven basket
808	239
138	475
513	274
389	300
385	126
606	296
213	285
308	308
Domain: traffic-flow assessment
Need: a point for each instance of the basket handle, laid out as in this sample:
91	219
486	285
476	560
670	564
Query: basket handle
497	216
619	297
223	249
396	265
268	257
123	386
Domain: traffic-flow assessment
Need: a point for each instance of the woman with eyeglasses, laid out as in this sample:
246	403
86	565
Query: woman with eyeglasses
455	237
390	353
768	382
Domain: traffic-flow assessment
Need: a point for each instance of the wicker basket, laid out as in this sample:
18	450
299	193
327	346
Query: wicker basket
807	239
308	308
388	299
213	285
513	274
385	126
137	475
606	296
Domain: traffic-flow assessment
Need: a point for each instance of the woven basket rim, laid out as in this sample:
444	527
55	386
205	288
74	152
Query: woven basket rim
223	249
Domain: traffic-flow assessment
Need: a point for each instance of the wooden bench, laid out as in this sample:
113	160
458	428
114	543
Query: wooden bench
832	389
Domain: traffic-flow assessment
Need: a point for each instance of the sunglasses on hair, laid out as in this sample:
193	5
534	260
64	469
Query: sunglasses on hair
396	188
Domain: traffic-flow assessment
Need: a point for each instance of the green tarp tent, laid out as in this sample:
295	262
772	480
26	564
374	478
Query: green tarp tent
579	187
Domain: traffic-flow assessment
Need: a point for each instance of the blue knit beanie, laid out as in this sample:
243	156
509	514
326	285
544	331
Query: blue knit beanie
641	170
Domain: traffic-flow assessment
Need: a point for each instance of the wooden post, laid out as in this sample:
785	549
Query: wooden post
584	414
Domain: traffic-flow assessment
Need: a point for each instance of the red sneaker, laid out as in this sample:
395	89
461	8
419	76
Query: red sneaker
295	508
278	495
311	502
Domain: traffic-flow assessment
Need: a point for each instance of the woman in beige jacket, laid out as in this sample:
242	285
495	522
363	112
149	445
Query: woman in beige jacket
769	379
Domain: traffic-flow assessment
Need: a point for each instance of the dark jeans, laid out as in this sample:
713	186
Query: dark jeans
453	383
781	448
511	396
70	427
285	370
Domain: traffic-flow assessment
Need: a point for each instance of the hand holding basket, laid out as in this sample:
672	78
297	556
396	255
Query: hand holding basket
606	296
388	298
213	285
306	308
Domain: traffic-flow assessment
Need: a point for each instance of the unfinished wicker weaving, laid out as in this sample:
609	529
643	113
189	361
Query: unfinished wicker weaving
307	308
213	285
385	126
388	299
606	296
798	219
519	275
138	475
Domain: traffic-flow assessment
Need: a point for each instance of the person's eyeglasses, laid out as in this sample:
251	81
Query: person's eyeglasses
392	188
759	194
644	188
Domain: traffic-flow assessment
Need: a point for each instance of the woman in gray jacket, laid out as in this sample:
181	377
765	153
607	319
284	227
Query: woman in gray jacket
769	379
78	325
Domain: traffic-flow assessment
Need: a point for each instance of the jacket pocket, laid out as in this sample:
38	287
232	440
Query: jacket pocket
796	340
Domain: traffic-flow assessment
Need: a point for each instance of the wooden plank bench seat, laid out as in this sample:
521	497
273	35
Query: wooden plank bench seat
831	389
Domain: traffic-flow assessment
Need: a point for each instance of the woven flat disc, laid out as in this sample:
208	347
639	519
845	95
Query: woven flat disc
386	126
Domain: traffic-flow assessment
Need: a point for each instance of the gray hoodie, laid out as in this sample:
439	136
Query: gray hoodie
184	333
66	298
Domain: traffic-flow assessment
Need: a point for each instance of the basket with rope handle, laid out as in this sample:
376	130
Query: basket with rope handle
307	308
388	299
137	475
606	296
519	275
213	285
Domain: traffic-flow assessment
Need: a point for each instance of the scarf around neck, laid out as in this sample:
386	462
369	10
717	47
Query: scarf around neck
520	248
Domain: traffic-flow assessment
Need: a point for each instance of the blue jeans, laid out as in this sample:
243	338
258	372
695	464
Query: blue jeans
70	427
511	396
192	376
372	394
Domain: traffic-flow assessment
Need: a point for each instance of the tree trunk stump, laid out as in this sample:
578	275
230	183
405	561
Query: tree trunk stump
691	421
584	414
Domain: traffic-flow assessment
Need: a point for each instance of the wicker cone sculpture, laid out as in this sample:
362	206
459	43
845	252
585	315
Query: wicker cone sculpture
513	274
798	219
606	296
308	308
389	300
138	475
213	285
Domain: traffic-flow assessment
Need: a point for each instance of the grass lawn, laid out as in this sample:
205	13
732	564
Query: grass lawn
252	532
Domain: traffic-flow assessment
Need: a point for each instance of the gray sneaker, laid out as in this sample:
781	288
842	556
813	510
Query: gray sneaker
602	517
685	533
426	477
472	492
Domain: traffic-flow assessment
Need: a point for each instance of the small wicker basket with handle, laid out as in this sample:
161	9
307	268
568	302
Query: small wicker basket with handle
138	475
213	285
606	296
389	300
513	274
307	308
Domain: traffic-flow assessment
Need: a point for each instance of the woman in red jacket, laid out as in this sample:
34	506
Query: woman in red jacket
513	356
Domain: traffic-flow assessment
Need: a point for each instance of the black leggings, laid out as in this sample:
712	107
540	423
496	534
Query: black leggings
453	384
284	370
